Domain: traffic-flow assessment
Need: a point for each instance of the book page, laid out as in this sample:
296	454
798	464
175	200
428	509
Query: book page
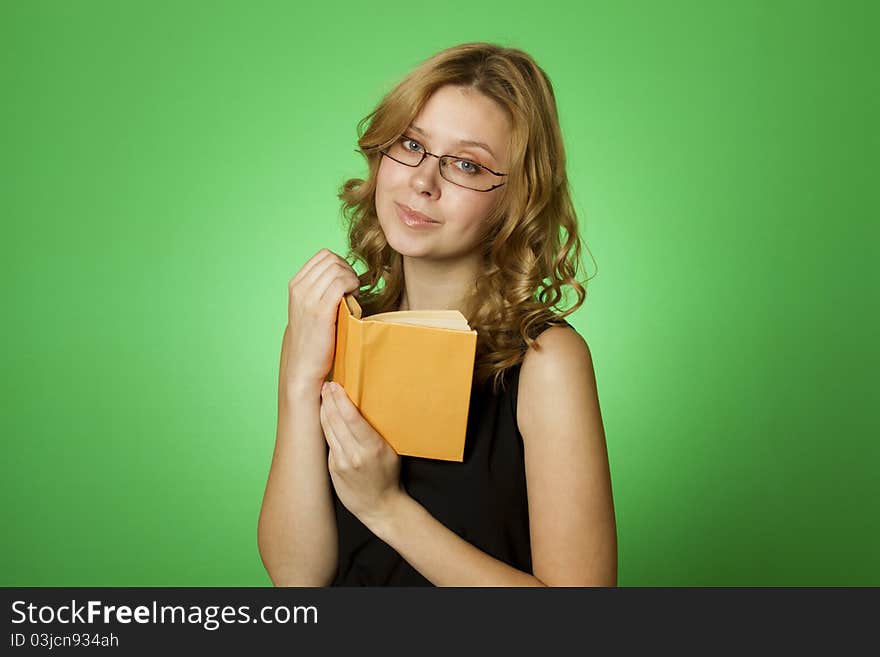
448	319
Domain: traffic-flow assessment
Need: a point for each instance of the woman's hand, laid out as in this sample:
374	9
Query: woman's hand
364	468
313	301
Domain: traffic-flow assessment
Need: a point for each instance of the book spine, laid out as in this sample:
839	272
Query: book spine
337	372
354	366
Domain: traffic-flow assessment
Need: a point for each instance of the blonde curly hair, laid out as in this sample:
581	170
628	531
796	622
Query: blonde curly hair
527	261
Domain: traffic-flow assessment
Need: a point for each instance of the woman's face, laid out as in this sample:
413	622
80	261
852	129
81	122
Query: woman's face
449	116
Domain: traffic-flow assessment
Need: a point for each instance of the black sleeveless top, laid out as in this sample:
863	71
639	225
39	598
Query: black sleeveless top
482	499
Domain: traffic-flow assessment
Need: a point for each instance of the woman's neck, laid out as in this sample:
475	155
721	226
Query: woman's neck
437	285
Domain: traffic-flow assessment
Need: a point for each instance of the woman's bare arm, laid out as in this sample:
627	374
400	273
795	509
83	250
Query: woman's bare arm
296	534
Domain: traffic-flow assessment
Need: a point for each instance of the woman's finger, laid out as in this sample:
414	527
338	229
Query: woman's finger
329	434
339	424
357	425
311	265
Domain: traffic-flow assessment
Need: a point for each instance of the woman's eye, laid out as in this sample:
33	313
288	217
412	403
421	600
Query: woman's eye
469	167
407	140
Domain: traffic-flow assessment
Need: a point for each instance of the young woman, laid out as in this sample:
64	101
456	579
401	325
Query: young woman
461	209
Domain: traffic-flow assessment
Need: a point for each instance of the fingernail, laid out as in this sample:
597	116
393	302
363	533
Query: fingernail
334	387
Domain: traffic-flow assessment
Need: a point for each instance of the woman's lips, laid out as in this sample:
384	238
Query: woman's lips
414	219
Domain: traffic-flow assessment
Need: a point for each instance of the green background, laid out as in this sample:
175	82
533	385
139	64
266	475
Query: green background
167	167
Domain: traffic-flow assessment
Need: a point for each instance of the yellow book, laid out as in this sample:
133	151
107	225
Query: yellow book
409	372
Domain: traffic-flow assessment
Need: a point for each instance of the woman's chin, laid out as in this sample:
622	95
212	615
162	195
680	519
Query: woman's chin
409	250
406	245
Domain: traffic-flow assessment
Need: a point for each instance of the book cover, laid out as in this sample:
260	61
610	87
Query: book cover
409	373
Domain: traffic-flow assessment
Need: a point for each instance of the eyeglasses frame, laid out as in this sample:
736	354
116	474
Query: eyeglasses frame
425	153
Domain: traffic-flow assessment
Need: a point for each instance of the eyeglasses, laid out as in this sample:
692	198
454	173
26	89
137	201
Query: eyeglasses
457	170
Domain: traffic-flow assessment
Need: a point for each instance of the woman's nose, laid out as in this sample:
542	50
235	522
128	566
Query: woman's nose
426	177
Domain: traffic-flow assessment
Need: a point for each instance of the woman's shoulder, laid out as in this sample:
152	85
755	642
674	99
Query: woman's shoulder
554	346
555	340
555	335
557	362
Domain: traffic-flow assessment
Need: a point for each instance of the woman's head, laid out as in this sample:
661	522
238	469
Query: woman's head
500	97
460	196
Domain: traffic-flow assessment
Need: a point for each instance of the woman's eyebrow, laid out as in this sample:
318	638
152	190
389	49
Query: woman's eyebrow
463	142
